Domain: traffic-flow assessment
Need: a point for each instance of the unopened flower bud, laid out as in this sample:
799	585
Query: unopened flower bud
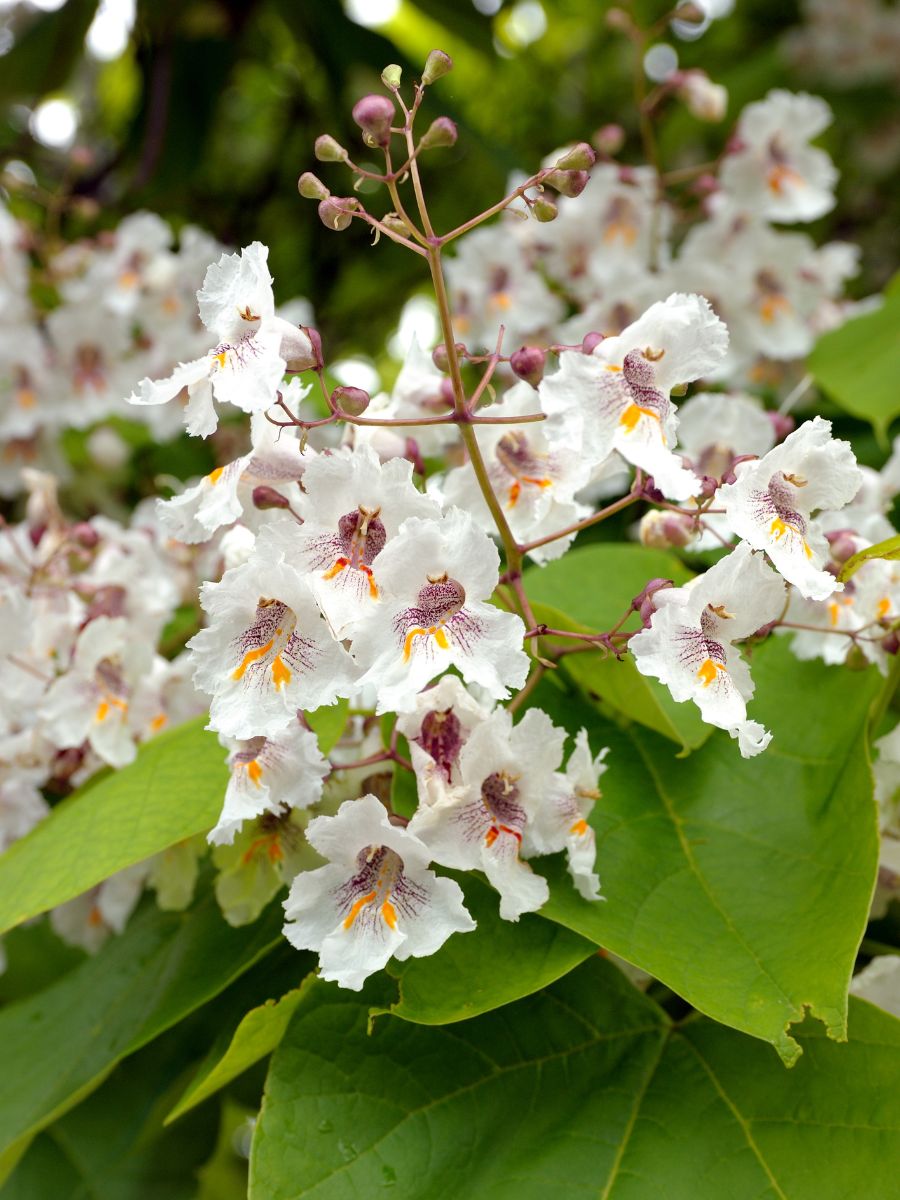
729	476
315	340
609	139
328	150
643	602
374	114
268	497
391	76
842	543
705	185
107	448
782	424
440	133
705	100
395	223
544	209
567	183
351	400
311	187
446	392
856	659
665	530
440	357
590	342
528	363
708	488
890	643
337	212
437	64
84	534
652	492
580	158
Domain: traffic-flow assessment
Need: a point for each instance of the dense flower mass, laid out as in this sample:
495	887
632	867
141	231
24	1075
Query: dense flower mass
364	564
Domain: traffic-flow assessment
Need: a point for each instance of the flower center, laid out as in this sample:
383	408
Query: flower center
269	645
361	536
441	737
500	795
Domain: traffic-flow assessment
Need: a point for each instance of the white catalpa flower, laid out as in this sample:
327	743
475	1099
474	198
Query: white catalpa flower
689	643
270	775
90	918
534	481
267	651
352	508
435	577
91	701
618	397
775	172
715	428
226	494
771	503
507	775
559	821
248	362
376	898
437	729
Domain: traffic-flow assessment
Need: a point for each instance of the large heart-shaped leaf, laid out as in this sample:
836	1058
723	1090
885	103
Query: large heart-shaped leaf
589	591
172	791
587	1089
743	885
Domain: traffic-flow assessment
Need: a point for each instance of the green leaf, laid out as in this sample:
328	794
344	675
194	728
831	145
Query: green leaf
328	723
257	1035
57	1046
498	962
586	1089
888	549
723	876
858	365
589	591
172	791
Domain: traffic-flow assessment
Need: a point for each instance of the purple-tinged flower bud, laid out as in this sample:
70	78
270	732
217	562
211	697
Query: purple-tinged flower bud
85	535
315	340
337	212
843	544
440	133
628	175
890	643
765	630
782	424
437	64
351	400
528	363
665	530
567	183
446	391
708	488
329	150
414	455
609	139
643	602
705	185
311	187
591	341
440	357
391	76
580	158
544	209
374	114
268	497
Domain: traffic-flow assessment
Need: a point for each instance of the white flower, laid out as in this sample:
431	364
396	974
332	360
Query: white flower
248	362
435	577
437	730
270	775
559	820
534	481
506	776
91	701
90	918
375	900
689	643
267	651
775	172
715	428
771	502
618	397
352	508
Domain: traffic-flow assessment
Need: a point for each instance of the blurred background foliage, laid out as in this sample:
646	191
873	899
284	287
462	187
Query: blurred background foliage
205	111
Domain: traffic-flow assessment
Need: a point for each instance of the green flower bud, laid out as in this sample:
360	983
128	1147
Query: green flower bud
312	188
328	150
440	133
390	76
544	209
436	64
580	158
